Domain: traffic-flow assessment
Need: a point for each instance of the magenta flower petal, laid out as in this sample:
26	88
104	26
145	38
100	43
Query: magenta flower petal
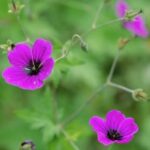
17	77
125	139
29	68
98	124
121	8
20	55
46	69
102	138
114	119
14	75
31	83
128	127
116	129
137	26
42	50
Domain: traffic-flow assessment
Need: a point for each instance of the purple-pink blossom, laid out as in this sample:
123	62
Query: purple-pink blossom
29	66
116	128
136	25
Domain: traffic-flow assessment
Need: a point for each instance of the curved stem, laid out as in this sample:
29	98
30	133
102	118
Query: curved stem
65	50
84	105
59	58
73	42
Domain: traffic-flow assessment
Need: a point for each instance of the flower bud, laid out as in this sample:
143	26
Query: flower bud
83	44
15	7
8	46
27	145
130	15
122	43
140	95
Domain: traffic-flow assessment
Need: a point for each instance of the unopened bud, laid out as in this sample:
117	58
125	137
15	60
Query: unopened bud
122	43
15	7
140	95
27	145
83	44
7	47
10	45
130	15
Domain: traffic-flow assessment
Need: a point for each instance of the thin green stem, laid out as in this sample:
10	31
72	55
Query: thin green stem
66	47
108	82
83	106
59	58
102	25
109	147
75	147
101	5
54	104
118	86
73	42
109	22
92	97
22	29
110	75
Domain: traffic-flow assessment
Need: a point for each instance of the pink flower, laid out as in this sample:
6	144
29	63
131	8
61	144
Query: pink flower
29	66
137	25
115	129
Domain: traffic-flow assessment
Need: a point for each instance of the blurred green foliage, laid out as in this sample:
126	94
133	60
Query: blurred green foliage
36	115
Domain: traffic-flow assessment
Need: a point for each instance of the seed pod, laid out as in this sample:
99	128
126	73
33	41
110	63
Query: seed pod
122	43
140	95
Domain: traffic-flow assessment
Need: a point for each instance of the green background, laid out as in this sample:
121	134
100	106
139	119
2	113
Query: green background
34	115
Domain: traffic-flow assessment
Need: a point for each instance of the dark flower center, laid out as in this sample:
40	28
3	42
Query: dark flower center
33	67
113	135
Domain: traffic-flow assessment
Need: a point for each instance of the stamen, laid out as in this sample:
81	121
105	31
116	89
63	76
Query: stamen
33	68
